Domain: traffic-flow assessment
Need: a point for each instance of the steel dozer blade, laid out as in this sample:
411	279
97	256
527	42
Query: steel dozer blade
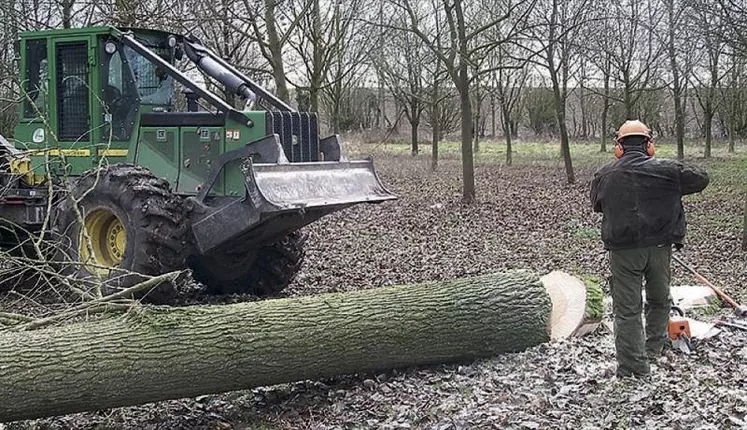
309	185
284	197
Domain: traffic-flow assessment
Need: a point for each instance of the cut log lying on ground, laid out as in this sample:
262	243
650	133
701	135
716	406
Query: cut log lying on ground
154	354
577	306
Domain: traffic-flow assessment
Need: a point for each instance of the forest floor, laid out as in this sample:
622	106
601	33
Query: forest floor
525	216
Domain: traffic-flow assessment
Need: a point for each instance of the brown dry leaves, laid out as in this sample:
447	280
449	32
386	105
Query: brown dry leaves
525	217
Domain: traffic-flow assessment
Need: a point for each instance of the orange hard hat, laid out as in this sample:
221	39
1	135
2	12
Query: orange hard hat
632	128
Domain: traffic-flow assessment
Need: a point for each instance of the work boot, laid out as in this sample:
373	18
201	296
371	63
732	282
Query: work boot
654	356
626	374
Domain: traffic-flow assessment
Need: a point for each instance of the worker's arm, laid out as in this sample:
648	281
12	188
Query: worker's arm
693	179
595	201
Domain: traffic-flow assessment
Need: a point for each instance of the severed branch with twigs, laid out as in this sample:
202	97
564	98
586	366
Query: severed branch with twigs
40	280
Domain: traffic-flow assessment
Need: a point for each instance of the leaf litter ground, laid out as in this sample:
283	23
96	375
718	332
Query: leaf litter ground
525	217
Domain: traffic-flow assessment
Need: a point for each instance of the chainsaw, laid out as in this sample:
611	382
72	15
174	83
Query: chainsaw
679	330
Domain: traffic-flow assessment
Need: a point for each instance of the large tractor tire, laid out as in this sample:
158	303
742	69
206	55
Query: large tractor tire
264	273
133	222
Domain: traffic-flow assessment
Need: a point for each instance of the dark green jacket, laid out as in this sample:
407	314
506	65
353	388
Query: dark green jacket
640	198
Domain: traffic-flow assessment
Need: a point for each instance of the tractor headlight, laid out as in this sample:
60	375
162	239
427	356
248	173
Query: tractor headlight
110	48
171	40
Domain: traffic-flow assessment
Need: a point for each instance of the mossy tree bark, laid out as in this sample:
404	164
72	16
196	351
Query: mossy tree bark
156	354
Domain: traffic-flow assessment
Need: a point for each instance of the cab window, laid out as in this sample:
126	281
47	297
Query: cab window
118	93
36	85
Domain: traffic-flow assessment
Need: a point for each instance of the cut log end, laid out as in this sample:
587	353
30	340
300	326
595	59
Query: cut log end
577	307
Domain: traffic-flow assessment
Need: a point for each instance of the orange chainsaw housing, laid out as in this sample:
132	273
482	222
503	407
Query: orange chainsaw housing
677	327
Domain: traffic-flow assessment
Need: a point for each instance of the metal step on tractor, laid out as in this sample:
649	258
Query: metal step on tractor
123	183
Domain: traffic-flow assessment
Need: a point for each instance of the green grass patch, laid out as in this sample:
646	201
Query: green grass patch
587	233
583	153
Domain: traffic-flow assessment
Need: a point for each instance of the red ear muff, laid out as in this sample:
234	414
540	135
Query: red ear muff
619	150
650	149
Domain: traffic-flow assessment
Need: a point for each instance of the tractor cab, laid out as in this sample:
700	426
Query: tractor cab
85	88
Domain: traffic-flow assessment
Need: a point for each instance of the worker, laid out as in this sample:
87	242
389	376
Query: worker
640	198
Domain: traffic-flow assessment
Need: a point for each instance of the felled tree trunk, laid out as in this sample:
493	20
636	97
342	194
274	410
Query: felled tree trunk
153	354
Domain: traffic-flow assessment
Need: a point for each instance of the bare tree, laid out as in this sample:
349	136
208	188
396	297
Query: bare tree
679	51
557	32
709	70
346	72
467	23
597	52
507	85
169	15
401	65
733	93
321	36
635	51
442	113
271	24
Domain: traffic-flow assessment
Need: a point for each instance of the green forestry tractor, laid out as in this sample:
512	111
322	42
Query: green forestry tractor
127	183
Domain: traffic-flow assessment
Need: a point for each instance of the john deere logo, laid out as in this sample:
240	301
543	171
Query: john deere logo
38	136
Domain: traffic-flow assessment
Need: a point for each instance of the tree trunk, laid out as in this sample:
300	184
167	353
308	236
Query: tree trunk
335	116
565	147
275	47
565	150
476	134
507	134
414	124
316	77
434	146
679	121
435	127
154	354
629	108
477	111
67	13
468	168
605	110
677	82
492	114
708	130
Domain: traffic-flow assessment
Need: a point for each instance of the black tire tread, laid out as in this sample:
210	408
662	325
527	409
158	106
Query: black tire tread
274	268
160	231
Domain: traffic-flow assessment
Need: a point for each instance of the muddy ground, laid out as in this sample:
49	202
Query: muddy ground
525	217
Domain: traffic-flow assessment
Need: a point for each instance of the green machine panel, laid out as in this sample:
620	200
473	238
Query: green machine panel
158	150
201	148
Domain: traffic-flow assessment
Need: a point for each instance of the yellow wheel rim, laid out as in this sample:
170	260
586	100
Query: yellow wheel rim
108	241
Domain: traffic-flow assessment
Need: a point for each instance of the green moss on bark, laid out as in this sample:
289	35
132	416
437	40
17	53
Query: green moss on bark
594	299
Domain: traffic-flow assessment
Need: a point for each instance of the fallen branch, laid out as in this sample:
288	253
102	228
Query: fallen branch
99	305
15	317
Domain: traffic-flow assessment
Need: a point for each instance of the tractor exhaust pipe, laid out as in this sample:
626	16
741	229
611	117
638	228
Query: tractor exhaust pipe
199	55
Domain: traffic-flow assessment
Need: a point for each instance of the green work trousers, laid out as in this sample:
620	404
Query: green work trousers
629	267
